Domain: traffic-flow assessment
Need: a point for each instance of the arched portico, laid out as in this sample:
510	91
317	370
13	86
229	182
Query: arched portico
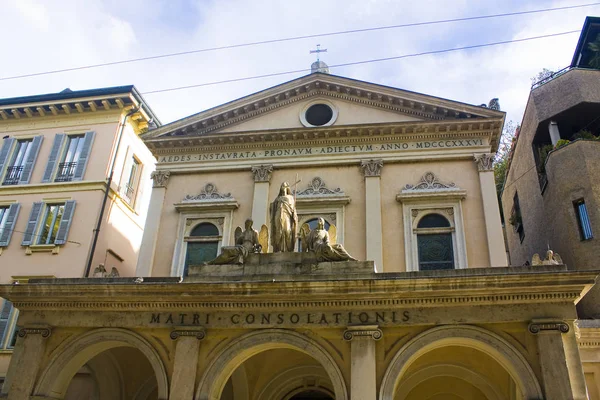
73	354
465	336
246	346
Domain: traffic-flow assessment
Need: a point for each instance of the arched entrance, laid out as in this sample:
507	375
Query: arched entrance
458	362
105	364
278	364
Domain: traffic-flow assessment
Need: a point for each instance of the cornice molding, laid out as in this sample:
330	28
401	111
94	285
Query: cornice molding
54	187
331	136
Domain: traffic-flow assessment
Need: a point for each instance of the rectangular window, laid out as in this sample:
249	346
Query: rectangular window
66	168
131	186
50	223
8	321
583	220
17	163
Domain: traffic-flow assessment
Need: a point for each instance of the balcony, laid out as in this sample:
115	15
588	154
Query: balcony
66	172
13	175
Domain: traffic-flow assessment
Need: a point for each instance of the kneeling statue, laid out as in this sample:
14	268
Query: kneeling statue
246	242
318	242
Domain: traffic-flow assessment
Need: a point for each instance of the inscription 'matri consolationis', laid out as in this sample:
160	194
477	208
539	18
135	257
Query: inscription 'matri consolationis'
342	318
324	150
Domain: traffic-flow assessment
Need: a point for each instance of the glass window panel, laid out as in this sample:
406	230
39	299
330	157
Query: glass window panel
433	221
3	217
435	251
52	218
583	220
74	148
205	229
21	152
200	252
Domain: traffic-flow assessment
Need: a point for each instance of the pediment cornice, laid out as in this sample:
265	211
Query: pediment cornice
422	106
490	128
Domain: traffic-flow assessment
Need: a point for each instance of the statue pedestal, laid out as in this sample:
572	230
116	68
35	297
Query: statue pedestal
281	264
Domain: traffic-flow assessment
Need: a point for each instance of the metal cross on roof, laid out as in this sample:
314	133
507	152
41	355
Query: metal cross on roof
318	50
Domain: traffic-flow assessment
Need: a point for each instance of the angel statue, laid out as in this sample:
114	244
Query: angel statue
552	258
246	242
283	220
318	242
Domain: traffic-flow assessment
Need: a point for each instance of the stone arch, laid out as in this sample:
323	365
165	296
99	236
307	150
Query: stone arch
73	354
292	381
468	336
244	347
475	379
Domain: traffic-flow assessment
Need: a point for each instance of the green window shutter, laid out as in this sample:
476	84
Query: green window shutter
65	222
5	153
53	157
30	162
6	232
83	156
34	216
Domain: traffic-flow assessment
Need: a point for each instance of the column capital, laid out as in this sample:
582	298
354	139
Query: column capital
540	327
160	178
371	167
371	331
262	173
198	333
44	332
484	162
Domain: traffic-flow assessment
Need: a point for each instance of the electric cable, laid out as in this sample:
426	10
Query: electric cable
295	38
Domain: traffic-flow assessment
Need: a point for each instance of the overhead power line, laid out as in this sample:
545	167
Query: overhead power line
293	38
475	46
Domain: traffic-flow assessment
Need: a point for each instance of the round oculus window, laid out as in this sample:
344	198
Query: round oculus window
318	114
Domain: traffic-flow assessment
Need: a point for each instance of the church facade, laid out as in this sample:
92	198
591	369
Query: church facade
401	181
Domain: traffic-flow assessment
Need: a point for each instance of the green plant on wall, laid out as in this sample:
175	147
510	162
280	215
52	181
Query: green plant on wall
594	48
584	134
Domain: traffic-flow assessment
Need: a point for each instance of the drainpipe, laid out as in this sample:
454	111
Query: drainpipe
107	189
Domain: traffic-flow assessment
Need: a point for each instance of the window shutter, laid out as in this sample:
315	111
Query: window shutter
30	162
5	152
7	231
65	222
34	216
53	157
4	318
83	156
140	183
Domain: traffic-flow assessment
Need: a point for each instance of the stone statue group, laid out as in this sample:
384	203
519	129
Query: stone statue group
284	227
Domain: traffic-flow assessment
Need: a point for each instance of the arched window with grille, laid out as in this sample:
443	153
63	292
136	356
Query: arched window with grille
434	243
202	244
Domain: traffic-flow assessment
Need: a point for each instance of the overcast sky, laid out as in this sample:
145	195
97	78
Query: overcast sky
44	35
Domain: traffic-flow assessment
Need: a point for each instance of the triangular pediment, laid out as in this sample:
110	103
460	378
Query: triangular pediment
354	102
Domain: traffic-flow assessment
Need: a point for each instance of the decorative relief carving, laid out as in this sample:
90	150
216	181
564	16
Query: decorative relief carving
45	332
160	178
372	331
449	211
548	326
209	193
317	187
262	173
430	182
371	167
485	162
199	334
414	213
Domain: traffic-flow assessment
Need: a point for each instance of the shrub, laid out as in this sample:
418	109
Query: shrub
560	143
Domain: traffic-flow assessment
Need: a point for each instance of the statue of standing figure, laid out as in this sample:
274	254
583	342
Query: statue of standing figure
284	220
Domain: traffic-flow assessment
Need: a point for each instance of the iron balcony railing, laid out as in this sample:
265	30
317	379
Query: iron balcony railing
66	171
13	175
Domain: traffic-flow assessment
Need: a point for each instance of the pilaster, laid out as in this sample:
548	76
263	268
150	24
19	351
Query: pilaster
560	363
363	384
187	347
24	367
371	169
491	211
260	201
160	179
